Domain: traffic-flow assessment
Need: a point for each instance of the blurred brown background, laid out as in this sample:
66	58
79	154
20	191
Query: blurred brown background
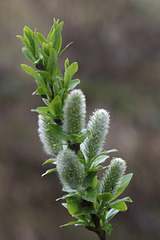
117	46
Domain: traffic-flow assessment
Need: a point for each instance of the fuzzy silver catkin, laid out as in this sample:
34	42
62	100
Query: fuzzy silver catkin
98	125
48	140
113	175
74	112
71	171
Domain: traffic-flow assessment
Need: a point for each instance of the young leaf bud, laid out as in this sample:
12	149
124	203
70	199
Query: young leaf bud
98	125
74	112
113	175
71	170
48	140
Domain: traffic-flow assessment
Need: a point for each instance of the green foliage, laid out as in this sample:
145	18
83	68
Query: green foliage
77	151
49	171
43	54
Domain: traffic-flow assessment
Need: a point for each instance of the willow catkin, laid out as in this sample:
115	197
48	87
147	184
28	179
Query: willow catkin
74	112
71	171
98	125
48	140
113	175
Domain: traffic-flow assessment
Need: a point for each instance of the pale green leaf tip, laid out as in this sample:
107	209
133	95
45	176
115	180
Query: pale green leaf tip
24	66
49	161
24	27
64	225
48	171
18	36
43	174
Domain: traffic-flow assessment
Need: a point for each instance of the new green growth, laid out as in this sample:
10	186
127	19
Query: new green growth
76	150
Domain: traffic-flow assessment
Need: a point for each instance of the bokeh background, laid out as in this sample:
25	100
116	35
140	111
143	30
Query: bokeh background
117	46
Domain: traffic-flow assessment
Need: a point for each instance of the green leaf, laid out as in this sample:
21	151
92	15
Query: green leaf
98	187
111	213
55	23
69	190
45	58
43	91
126	199
46	101
108	228
55	35
124	183
88	181
59	74
73	205
56	106
46	75
73	84
57	132
49	34
59	45
52	63
70	71
105	197
34	73
64	49
47	115
51	160
28	54
83	134
90	195
120	204
41	38
28	35
98	160
45	48
56	88
78	138
66	64
26	43
84	211
36	45
70	195
95	181
43	109
73	223
96	169
110	151
74	138
40	91
61	92
49	171
65	205
57	79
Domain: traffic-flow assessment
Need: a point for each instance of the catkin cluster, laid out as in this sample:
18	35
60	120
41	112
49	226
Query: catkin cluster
76	148
70	169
